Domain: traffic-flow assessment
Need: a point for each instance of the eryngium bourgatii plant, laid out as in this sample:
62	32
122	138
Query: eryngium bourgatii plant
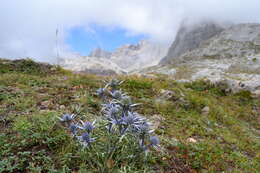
119	118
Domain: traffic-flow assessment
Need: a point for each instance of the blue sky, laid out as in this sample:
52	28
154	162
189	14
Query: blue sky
84	40
30	31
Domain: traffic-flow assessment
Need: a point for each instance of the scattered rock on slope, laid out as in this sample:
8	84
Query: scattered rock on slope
232	55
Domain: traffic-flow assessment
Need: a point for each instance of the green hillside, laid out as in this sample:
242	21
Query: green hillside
201	127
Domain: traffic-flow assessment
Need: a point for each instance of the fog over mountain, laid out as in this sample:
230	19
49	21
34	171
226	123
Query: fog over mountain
28	27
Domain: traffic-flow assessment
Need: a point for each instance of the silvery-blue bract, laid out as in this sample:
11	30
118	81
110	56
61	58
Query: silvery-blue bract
106	107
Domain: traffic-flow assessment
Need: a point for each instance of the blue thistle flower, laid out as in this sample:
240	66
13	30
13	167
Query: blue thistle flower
88	126
67	118
118	94
114	121
101	92
133	118
86	140
107	107
154	141
132	121
112	113
126	104
73	129
143	130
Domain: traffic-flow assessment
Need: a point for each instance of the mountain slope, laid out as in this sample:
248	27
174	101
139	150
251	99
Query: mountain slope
232	56
201	127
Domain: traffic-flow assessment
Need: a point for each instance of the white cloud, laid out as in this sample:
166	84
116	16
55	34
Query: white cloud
28	26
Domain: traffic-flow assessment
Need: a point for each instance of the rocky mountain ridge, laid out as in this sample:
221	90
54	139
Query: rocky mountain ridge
93	65
100	53
134	57
124	59
232	55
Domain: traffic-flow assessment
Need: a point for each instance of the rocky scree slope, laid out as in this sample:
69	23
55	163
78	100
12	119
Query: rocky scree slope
231	56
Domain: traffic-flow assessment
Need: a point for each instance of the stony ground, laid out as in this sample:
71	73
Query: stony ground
201	127
232	55
234	71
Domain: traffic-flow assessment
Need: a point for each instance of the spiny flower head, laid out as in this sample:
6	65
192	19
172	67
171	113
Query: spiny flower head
67	117
154	141
118	95
85	139
101	92
112	111
126	103
88	126
143	129
112	114
133	118
73	128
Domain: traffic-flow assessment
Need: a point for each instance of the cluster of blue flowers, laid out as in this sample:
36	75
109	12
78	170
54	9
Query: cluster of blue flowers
120	118
119	112
86	127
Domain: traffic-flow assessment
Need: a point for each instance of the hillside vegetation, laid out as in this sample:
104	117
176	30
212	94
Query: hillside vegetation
201	128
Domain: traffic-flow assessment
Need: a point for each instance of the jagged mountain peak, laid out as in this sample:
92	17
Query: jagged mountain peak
100	53
135	56
124	59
